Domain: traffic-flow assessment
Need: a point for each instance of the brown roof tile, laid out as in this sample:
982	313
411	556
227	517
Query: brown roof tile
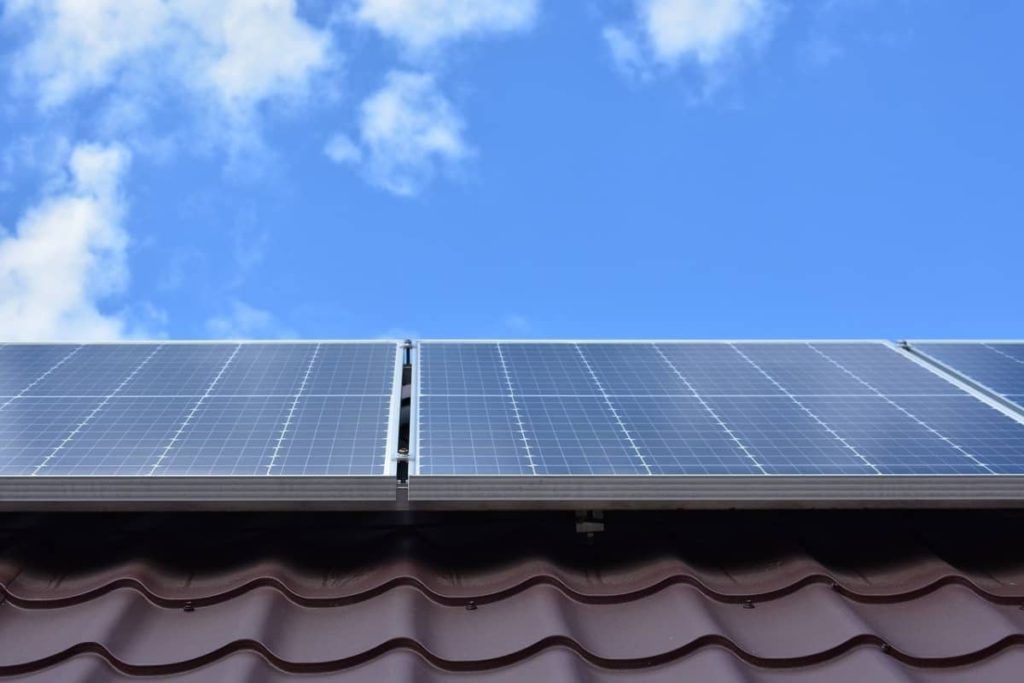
895	596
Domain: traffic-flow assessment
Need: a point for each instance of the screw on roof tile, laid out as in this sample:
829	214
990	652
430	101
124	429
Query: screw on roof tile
471	605
886	647
749	604
189	607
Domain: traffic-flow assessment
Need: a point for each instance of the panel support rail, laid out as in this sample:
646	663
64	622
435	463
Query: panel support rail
405	414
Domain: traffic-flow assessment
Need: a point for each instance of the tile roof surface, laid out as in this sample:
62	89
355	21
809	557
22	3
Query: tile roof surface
727	596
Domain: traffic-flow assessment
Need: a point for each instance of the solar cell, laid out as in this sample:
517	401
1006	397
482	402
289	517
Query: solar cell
750	408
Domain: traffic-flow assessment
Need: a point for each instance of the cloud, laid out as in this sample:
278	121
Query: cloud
341	150
229	56
423	24
67	254
246	322
666	33
408	131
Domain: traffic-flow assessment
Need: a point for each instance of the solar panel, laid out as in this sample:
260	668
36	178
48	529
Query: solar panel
997	367
497	423
152	411
637	411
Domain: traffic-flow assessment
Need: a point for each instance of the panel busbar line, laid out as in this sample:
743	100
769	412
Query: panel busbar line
499	423
199	422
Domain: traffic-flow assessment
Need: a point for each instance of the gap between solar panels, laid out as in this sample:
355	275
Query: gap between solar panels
509	424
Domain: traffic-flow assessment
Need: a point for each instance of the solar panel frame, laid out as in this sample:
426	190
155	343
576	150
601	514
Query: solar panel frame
708	490
214	491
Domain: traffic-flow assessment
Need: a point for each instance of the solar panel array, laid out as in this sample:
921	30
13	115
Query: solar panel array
156	409
998	366
526	409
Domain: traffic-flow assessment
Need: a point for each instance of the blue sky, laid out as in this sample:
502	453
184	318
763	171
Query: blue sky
511	168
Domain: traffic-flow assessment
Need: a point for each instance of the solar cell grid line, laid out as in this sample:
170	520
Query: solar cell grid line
993	372
801	372
548	369
180	369
106	399
611	407
192	413
122	439
470	369
515	410
633	370
712	370
352	369
467	434
1008	350
992	434
886	370
786	437
906	412
10	375
337	435
228	436
807	410
31	427
264	369
576	435
96	370
291	410
711	410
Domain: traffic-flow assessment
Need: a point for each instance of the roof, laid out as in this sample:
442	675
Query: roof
709	596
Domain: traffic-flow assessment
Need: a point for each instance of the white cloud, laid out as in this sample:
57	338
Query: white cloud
341	150
246	322
423	24
668	32
408	131
229	56
67	254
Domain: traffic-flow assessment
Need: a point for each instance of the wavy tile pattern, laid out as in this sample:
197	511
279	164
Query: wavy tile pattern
728	596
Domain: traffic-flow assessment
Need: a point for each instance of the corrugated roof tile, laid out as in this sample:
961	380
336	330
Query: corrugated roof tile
662	596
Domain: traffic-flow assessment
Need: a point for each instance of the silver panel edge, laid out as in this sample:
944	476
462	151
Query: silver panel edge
165	492
628	492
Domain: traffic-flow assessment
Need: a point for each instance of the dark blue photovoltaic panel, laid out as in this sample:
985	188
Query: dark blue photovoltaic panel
179	370
631	369
548	369
31	429
885	370
577	435
22	365
352	370
785	438
682	437
196	409
236	435
265	370
1013	350
127	436
994	439
461	369
894	442
799	369
999	367
717	370
784	408
470	436
335	435
93	370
